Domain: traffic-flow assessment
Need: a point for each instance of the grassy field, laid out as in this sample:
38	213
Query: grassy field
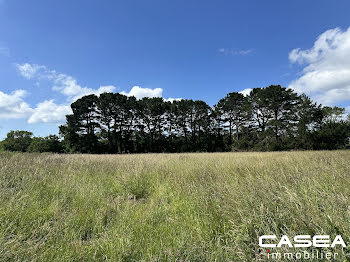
167	207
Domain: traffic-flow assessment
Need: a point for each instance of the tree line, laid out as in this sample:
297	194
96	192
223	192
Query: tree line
271	118
24	141
268	119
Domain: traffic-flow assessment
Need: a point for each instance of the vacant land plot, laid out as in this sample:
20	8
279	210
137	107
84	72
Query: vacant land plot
168	207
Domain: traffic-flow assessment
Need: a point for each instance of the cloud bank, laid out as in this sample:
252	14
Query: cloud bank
65	84
326	73
246	91
140	92
13	105
49	112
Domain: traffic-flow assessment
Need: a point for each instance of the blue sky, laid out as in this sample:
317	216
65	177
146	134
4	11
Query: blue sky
52	52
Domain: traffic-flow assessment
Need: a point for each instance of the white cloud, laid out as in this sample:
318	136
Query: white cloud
170	99
29	71
49	112
246	91
65	84
13	106
140	92
69	87
326	73
235	51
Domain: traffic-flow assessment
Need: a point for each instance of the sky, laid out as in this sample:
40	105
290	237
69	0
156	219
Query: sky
53	52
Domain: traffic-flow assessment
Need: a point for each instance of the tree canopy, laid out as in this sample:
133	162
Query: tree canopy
23	141
270	118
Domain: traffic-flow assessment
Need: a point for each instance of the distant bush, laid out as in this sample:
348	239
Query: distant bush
46	144
23	141
17	141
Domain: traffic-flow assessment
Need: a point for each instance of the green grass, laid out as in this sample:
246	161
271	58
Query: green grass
167	207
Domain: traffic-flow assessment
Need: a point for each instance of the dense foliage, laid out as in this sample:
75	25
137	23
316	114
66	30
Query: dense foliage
271	118
23	141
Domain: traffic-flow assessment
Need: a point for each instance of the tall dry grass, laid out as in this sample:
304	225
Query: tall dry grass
167	207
